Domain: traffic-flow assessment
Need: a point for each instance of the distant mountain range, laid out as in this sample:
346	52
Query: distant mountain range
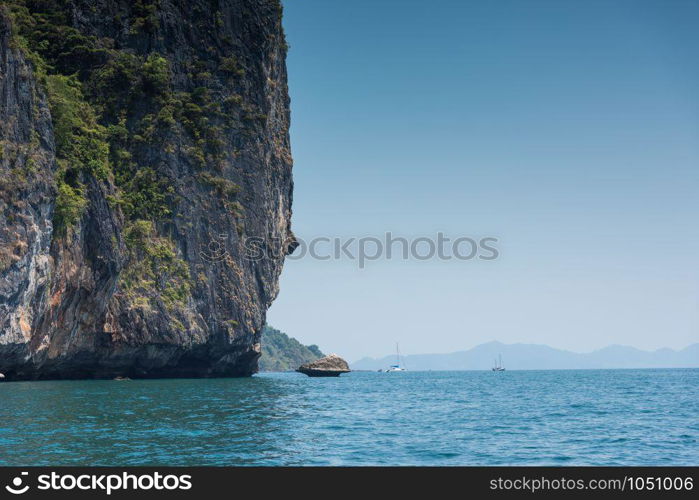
540	357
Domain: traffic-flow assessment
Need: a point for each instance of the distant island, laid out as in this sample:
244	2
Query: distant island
540	357
282	353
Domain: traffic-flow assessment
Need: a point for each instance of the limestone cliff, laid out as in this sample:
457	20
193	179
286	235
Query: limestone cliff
142	143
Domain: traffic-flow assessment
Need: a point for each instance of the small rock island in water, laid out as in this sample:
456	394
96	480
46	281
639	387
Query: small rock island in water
329	366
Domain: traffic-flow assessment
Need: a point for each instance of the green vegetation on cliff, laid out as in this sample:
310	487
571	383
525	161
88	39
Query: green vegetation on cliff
111	106
138	136
282	353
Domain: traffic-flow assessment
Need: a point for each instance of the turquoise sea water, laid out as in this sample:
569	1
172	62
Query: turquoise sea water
603	417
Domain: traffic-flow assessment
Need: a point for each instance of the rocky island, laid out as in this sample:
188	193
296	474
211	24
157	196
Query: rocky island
331	365
142	143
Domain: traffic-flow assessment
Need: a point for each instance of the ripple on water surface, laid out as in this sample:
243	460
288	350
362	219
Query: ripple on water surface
606	417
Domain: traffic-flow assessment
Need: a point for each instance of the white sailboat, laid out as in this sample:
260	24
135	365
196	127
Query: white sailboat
498	367
397	367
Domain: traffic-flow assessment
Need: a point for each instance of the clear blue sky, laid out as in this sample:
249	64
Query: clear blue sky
568	129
